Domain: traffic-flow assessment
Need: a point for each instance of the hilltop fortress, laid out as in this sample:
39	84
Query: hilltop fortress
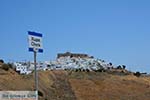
76	55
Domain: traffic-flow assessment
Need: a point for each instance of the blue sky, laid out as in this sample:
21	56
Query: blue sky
117	31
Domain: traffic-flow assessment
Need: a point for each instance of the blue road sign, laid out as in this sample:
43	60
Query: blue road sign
35	42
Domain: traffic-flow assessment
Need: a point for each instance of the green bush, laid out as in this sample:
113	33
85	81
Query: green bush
10	65
5	67
83	70
123	66
87	70
79	69
40	93
137	74
100	70
2	61
76	70
119	67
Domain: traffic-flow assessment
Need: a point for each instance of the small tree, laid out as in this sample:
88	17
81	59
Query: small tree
119	67
40	93
83	70
100	70
87	70
10	65
1	61
110	64
79	69
137	74
123	66
76	70
5	67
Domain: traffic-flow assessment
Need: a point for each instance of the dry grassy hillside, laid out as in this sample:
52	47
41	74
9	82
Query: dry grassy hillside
65	85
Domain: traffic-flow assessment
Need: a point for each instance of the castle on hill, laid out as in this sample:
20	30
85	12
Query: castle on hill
76	55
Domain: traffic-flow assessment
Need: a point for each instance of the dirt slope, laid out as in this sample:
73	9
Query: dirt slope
63	85
103	86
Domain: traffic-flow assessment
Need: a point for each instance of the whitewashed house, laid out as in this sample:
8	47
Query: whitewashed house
22	68
47	65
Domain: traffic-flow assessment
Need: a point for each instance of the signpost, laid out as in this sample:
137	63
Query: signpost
35	42
35	46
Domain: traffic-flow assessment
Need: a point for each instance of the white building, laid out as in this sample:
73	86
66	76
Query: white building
28	67
22	68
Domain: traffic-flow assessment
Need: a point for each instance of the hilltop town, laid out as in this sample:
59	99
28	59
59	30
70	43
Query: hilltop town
79	84
74	76
68	61
72	62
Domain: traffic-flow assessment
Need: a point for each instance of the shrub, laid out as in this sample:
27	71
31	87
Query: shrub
100	70
137	74
108	68
92	57
10	65
95	70
87	70
83	70
40	93
2	61
119	67
123	66
76	70
5	67
110	64
79	69
122	71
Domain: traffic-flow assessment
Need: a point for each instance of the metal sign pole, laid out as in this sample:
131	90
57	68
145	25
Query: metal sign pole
35	46
36	75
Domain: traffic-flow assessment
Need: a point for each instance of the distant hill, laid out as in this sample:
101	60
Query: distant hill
71	85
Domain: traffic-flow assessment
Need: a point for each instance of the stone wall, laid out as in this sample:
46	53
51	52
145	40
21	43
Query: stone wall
72	55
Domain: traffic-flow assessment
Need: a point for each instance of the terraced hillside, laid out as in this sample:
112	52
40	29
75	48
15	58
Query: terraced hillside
67	85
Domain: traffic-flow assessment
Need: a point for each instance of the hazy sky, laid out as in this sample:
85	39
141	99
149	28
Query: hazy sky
117	31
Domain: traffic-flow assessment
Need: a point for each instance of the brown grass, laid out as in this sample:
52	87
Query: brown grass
63	85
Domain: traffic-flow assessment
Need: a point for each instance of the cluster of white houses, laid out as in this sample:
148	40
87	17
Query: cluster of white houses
28	67
64	61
